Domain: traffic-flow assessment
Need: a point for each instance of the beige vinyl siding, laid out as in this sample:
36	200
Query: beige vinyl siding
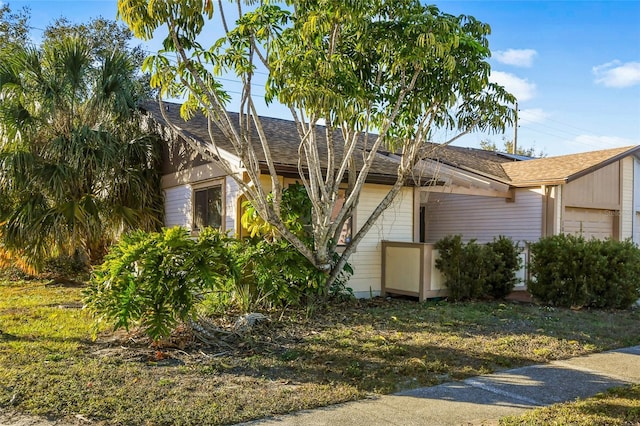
483	218
626	198
177	206
597	190
395	224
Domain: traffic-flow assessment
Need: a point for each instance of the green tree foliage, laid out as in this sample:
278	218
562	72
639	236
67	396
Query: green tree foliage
155	280
14	27
103	37
75	168
507	146
273	271
570	271
296	215
383	74
473	270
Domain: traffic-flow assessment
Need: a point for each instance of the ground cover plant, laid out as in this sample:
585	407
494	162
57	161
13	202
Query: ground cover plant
302	358
619	406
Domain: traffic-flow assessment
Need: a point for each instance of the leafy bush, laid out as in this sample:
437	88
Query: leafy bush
155	280
569	271
295	210
617	278
472	270
274	273
558	270
66	266
457	262
503	261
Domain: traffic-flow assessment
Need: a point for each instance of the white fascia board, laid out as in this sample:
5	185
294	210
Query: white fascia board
455	176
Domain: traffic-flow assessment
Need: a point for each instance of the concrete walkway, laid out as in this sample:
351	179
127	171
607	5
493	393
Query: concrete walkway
484	399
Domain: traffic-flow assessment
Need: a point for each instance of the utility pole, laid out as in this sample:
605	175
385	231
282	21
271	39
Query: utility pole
515	131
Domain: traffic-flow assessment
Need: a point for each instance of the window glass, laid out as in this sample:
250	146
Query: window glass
208	207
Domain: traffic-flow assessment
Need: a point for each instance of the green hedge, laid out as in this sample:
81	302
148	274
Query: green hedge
569	271
473	270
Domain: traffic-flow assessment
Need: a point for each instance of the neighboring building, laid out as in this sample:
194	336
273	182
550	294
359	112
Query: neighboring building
476	193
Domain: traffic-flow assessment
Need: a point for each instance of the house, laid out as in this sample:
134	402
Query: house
594	194
454	190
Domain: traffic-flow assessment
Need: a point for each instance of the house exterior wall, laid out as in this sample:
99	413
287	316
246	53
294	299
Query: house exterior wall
601	204
597	190
626	198
178	189
483	218
177	206
396	223
636	200
190	176
231	191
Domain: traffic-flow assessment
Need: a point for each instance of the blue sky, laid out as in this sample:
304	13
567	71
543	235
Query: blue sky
574	66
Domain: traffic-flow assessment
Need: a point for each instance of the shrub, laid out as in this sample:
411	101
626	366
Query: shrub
65	266
156	279
569	271
556	267
503	260
472	270
618	275
273	274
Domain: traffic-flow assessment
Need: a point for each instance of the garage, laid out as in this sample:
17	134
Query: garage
590	223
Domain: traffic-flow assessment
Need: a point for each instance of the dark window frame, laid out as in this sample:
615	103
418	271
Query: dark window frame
202	198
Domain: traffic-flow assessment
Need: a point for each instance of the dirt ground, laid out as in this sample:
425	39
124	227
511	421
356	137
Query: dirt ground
8	418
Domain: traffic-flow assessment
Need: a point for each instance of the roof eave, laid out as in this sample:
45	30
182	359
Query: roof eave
540	182
615	158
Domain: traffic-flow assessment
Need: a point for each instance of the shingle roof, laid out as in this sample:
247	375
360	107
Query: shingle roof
284	141
561	169
488	163
281	134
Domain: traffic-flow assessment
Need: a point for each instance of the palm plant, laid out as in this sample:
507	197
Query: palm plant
75	169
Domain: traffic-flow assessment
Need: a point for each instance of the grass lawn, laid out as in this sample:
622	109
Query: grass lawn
50	365
620	406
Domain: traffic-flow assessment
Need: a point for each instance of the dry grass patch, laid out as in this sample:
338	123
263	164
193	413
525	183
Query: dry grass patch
617	407
49	364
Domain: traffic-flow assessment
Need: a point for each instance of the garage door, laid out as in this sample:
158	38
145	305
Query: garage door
590	223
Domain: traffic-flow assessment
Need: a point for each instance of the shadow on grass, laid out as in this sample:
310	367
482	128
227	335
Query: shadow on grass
8	337
389	347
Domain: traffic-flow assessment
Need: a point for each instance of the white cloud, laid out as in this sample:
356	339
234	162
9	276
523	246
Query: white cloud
521	88
603	142
516	57
616	74
532	115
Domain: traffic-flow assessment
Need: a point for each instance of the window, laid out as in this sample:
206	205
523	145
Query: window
208	207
